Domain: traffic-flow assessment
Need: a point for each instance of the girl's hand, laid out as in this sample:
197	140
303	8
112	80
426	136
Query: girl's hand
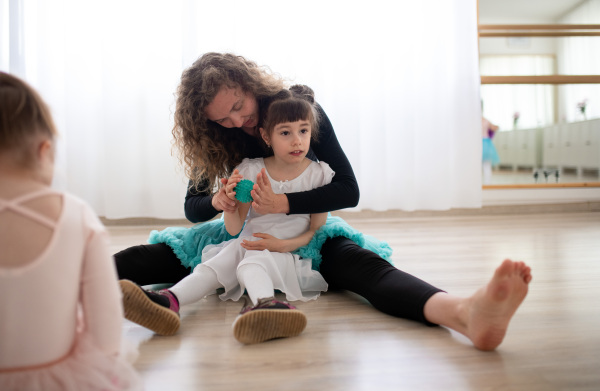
267	242
265	200
232	182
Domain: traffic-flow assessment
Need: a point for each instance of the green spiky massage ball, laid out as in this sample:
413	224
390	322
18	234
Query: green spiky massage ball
242	190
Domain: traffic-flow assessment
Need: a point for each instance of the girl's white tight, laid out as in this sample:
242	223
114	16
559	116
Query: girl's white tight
203	281
487	172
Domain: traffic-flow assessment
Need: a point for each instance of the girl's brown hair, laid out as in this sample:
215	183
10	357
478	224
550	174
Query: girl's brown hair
206	150
295	104
24	117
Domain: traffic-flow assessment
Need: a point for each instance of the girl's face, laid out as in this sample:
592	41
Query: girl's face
290	140
232	108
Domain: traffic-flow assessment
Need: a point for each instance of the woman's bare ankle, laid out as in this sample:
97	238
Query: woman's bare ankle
483	317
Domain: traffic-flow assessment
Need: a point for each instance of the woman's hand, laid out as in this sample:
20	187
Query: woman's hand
265	201
221	201
267	242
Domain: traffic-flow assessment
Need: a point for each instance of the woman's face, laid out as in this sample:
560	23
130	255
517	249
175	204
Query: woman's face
233	108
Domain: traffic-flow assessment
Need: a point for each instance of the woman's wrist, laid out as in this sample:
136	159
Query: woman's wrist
212	201
282	204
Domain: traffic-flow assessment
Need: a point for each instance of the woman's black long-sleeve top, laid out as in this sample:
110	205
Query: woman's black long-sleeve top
341	193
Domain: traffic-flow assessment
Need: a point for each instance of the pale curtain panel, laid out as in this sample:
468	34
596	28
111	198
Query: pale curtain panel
399	81
4	35
534	103
580	56
108	70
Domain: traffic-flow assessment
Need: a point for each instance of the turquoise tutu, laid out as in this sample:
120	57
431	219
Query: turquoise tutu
188	243
489	152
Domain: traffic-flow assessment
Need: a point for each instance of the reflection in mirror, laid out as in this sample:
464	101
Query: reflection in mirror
546	133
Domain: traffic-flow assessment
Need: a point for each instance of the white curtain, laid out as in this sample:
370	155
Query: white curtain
580	56
399	81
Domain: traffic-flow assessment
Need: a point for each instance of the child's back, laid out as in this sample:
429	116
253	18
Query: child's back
61	313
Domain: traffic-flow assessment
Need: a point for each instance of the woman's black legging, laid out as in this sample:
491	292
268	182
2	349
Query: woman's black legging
345	265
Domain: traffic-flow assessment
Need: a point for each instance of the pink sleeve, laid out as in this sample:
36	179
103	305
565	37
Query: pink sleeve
100	292
485	125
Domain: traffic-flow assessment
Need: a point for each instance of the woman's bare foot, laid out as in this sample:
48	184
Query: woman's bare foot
483	317
490	309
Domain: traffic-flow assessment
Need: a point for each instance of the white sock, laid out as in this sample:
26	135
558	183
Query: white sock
201	282
487	172
256	280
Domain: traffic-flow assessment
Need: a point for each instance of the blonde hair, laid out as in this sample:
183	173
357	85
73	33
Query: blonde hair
24	118
206	150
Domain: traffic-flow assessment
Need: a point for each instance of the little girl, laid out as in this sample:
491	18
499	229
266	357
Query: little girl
490	156
260	259
61	315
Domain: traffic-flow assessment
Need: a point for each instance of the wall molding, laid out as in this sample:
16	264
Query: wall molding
578	207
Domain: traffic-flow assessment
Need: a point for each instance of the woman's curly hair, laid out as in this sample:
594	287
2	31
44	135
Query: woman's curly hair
206	150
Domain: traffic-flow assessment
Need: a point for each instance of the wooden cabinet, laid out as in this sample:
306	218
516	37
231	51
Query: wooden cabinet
590	145
519	149
505	146
551	146
528	148
570	146
573	146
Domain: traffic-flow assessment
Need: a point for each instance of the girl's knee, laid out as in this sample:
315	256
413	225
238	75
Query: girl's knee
204	270
249	265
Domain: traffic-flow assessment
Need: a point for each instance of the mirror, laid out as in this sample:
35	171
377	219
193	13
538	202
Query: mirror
547	133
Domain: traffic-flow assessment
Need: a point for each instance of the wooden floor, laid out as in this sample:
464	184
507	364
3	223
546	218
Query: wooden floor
553	342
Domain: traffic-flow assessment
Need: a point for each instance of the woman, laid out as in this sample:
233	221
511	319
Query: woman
217	116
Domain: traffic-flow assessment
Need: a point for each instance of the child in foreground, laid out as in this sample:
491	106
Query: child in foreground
61	314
